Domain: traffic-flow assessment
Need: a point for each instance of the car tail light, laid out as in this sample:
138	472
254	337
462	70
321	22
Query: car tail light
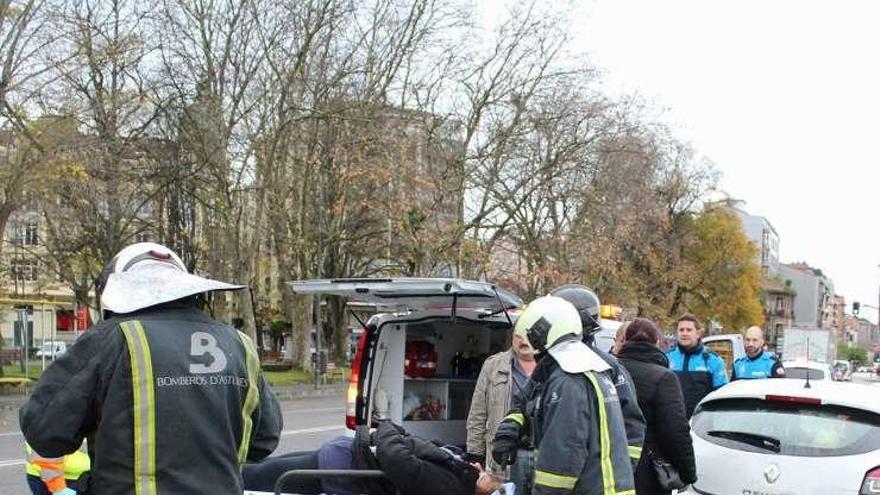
871	484
791	399
354	382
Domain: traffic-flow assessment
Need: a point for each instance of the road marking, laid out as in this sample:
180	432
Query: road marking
11	463
318	429
10	434
310	411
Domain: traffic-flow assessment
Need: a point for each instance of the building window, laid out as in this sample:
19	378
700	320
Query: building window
25	270
29	237
780	304
142	237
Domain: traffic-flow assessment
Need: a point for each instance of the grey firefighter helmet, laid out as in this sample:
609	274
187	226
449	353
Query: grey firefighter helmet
586	303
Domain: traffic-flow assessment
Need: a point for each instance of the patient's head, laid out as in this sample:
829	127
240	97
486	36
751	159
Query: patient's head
486	482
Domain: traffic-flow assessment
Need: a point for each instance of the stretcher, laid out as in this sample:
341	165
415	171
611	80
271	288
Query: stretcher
362	474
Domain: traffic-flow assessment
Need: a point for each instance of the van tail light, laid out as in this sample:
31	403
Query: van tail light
354	382
871	484
791	399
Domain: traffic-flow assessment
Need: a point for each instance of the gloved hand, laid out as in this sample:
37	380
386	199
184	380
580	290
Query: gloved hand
66	491
507	438
504	451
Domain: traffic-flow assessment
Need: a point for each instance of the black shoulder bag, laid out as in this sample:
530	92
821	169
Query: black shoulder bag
667	474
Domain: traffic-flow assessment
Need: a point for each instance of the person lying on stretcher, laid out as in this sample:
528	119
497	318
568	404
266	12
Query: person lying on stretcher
412	465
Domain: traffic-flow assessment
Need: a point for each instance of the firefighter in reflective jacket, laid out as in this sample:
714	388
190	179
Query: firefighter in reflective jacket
574	418
56	475
586	303
172	401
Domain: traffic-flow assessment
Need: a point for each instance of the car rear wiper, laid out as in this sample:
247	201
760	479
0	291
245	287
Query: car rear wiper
760	441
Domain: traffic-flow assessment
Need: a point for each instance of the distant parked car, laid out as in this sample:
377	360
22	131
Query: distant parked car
842	371
52	349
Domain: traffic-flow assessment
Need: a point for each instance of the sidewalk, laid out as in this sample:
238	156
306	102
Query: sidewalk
287	392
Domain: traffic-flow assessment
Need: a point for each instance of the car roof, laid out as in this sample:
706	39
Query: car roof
855	395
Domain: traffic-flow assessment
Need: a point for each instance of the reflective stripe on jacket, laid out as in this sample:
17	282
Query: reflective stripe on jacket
633	419
75	464
579	434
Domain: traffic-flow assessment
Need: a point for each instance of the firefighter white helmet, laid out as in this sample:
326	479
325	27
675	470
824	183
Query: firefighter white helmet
146	274
552	324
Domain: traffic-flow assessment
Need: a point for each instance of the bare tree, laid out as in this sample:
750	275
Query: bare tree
22	75
108	171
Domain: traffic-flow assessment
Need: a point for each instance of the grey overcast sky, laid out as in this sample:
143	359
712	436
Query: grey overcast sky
782	95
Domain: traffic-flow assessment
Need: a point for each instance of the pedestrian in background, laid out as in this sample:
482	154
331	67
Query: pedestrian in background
503	385
659	394
699	370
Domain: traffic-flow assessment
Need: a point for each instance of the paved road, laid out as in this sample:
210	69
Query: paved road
307	424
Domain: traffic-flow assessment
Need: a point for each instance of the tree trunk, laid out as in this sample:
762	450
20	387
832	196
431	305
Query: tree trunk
297	309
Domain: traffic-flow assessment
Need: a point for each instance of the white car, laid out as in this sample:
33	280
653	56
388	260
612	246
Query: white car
604	338
52	349
817	370
775	437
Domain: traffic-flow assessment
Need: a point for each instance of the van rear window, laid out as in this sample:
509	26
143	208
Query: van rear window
804	430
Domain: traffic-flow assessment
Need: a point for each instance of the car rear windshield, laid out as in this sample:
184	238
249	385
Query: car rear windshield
804	430
802	373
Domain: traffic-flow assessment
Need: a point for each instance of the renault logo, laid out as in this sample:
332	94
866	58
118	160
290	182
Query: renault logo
771	473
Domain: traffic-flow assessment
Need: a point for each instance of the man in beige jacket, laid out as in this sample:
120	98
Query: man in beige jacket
503	384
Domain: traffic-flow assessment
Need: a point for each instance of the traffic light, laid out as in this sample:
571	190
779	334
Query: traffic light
856	306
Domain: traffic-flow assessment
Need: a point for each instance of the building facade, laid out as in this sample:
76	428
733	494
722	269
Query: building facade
778	309
814	295
761	232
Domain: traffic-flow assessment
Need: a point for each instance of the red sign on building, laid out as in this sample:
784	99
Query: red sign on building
82	318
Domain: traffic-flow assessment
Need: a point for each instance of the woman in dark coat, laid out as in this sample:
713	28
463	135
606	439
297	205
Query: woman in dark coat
660	398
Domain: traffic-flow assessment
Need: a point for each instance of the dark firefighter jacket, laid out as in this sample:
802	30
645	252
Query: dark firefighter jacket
172	401
579	432
633	419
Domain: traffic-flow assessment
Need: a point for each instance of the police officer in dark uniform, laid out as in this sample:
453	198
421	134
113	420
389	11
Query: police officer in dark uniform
757	363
